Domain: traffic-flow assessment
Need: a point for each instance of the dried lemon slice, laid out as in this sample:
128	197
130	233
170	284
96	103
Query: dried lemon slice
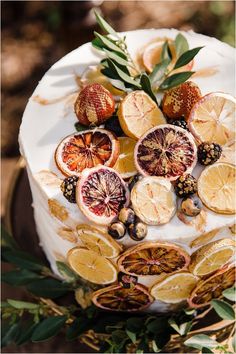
204	238
175	287
212	256
153	200
118	298
212	118
90	266
153	258
212	287
216	188
98	241
125	162
138	113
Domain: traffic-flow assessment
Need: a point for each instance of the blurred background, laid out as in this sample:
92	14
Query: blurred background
35	34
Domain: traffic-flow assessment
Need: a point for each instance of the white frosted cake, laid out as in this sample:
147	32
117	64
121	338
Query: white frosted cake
50	117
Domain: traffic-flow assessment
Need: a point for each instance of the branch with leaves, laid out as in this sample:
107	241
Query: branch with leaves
119	66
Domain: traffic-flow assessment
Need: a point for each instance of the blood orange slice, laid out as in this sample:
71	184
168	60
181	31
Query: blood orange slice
118	298
101	193
212	287
85	150
166	151
153	258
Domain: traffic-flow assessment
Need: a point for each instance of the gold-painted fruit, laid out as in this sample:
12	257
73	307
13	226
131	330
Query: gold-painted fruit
98	241
86	149
94	105
153	258
216	188
174	288
212	118
118	298
212	287
138	113
92	267
165	151
212	256
101	193
125	161
178	101
153	200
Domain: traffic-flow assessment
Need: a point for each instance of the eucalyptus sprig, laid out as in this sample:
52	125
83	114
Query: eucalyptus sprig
119	66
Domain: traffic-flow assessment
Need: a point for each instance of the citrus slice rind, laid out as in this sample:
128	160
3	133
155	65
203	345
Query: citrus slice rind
216	188
212	287
86	149
101	193
174	288
212	118
98	241
165	151
125	162
138	113
92	267
229	152
118	298
212	257
153	258
153	200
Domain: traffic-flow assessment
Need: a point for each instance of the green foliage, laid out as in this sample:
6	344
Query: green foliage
80	127
181	45
48	328
175	80
186	57
20	277
200	341
223	309
230	293
49	288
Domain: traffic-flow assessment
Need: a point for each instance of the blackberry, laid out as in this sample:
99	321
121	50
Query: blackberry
180	123
68	188
185	185
208	153
113	125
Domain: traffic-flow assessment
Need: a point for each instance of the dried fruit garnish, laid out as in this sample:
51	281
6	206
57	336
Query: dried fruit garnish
86	150
153	258
212	287
57	210
118	298
101	193
165	151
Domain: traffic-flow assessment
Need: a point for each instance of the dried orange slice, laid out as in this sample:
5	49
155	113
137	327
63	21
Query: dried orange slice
138	113
216	188
153	200
118	298
212	118
85	150
153	258
212	287
101	193
166	151
98	241
175	287
90	266
229	152
212	256
204	238
125	162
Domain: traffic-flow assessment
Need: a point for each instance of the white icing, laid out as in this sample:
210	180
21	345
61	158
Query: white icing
44	126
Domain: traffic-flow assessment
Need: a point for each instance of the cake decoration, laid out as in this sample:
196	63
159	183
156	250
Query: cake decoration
137	230
191	205
57	210
125	162
127	281
185	185
208	153
117	230
68	234
68	188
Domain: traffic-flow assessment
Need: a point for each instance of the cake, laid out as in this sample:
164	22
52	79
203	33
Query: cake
72	232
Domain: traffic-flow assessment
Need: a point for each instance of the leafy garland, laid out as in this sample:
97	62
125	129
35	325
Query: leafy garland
42	319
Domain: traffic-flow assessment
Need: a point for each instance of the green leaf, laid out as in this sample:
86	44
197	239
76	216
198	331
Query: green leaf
48	328
146	86
223	309
7	240
159	71
19	277
134	324
175	80
108	43
181	45
206	350
230	293
200	341
117	58
80	325
66	271
183	328
104	25
50	288
165	53
162	339
233	342
186	57
119	336
189	312
22	304
131	335
123	76
26	332
157	325
9	333
23	260
80	127
155	347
